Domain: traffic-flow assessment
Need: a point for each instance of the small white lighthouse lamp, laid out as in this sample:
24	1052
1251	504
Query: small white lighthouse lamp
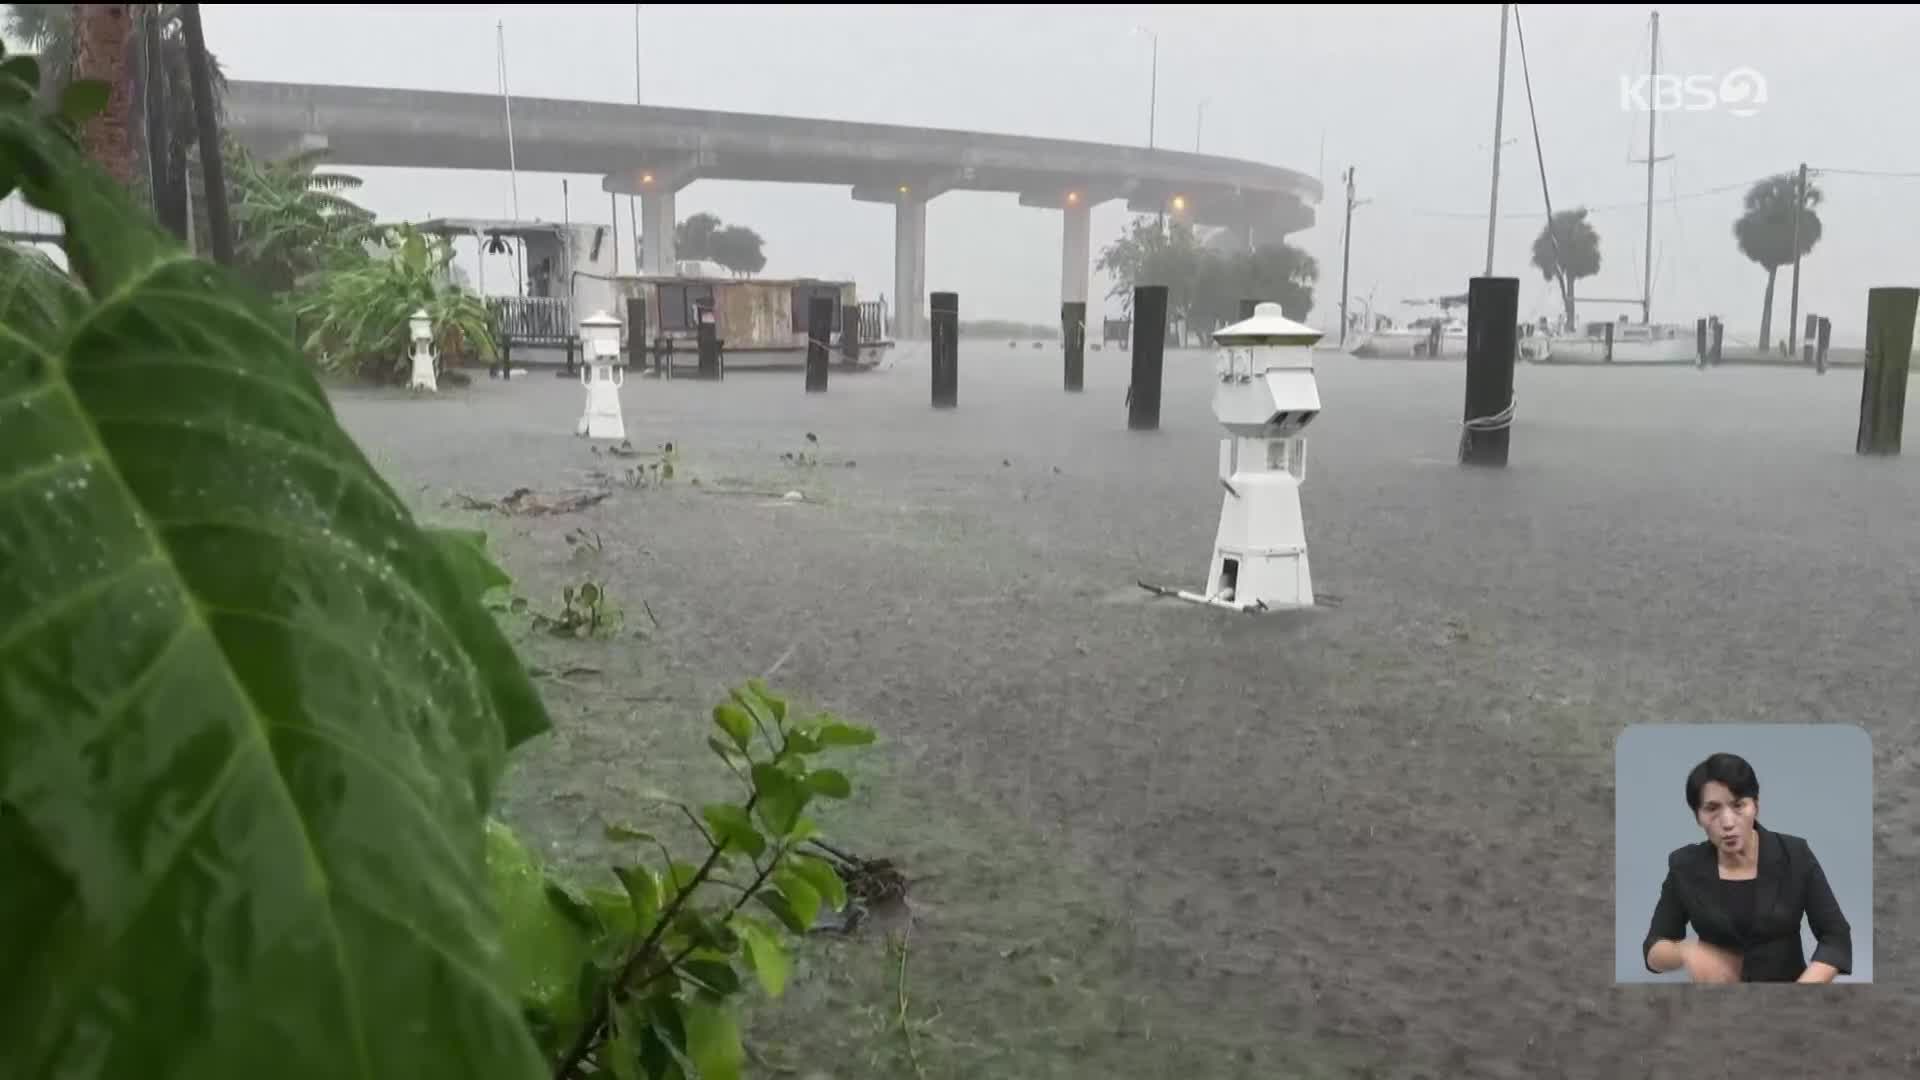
420	331
1265	396
603	371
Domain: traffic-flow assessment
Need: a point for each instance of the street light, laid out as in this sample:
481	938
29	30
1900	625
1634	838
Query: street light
1179	203
1153	88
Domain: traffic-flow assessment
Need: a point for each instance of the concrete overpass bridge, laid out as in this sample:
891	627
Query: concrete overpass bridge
654	152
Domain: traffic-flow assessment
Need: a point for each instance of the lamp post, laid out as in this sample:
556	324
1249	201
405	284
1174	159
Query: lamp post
1153	86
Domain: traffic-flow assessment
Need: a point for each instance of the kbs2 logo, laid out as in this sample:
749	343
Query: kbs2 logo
1741	92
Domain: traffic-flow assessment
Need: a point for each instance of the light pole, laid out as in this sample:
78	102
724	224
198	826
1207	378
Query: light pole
1199	118
1153	87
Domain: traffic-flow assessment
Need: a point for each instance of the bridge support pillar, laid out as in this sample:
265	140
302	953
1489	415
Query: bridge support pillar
1075	252
656	232
909	267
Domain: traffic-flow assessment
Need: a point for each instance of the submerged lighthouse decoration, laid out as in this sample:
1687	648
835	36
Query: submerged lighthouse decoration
1265	396
604	372
420	333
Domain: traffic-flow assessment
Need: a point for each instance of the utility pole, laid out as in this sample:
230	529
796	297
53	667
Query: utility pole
1199	118
1499	113
633	213
1793	307
1153	89
1346	257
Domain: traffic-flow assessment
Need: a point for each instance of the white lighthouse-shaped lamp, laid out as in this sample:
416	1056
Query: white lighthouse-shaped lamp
1265	396
603	371
420	333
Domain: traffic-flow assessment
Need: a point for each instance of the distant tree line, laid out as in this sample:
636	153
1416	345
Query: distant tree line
705	236
1766	232
1205	286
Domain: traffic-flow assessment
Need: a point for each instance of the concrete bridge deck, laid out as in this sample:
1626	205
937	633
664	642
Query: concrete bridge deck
653	152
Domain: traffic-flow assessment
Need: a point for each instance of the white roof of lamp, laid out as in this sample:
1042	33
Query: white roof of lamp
1267	327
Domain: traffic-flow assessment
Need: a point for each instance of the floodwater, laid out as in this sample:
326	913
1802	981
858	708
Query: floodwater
1385	826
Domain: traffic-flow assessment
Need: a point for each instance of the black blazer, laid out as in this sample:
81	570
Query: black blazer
1790	884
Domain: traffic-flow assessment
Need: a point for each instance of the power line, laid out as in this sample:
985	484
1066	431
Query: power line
1864	172
1641	204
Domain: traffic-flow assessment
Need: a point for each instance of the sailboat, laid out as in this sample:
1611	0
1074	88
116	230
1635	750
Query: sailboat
1622	341
1428	336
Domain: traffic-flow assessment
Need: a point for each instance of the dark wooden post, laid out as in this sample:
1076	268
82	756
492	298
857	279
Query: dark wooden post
1807	339
1883	393
1719	338
1492	305
850	333
636	334
945	325
819	330
1700	342
1149	357
1073	340
708	341
1608	355
1826	338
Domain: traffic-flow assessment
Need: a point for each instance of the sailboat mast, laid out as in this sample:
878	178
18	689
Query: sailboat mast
1646	294
1499	113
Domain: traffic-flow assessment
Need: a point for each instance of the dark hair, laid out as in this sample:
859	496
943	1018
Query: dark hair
1731	770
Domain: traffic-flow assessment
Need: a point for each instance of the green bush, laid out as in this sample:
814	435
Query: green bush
253	716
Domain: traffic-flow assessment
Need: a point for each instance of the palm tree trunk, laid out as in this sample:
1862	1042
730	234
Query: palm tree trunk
167	164
211	165
102	36
1766	311
1571	328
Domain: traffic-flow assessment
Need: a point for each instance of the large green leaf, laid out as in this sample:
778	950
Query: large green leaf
544	947
251	716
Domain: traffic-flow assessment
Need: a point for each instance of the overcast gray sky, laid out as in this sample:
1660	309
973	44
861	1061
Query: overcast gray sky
1404	94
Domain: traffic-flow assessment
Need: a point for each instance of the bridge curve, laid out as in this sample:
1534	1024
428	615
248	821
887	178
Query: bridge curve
653	151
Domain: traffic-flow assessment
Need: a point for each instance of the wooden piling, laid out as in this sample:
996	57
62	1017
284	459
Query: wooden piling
850	333
1493	303
1149	356
636	334
708	342
1073	340
1820	351
819	331
1883	392
945	325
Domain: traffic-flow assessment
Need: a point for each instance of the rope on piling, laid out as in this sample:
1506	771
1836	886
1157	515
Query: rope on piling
1499	421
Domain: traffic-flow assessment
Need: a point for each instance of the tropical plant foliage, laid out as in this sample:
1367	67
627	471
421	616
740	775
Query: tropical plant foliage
168	138
355	315
634	978
1205	285
291	221
1567	250
1767	233
252	714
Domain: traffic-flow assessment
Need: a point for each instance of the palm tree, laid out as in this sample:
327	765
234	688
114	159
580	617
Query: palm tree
1766	233
102	46
354	317
290	221
168	139
1567	250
